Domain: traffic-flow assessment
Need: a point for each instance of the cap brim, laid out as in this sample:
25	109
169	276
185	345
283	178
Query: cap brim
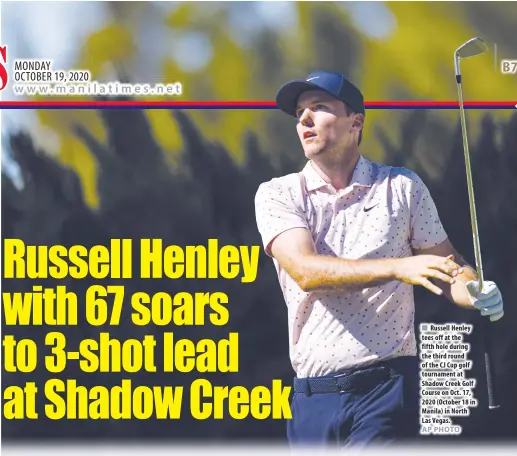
288	94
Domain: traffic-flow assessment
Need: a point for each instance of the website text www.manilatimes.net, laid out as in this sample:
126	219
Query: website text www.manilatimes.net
98	88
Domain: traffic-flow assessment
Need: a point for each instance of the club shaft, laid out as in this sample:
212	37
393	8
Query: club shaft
492	403
470	188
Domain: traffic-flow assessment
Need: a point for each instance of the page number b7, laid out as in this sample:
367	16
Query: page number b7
509	66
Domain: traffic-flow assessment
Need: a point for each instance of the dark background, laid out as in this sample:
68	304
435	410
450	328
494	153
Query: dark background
140	197
187	176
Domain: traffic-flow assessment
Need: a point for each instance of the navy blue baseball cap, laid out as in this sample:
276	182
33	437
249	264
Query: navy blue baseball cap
334	84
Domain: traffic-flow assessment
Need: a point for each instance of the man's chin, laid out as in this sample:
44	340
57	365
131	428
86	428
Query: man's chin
311	152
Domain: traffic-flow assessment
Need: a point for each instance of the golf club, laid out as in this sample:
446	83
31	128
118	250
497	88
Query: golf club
471	48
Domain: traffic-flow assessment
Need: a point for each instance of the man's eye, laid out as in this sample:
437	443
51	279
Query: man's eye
320	106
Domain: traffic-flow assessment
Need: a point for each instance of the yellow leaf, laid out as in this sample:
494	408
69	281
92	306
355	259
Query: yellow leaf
75	154
112	44
181	16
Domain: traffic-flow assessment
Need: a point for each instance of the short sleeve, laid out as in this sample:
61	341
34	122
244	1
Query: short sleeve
426	227
276	211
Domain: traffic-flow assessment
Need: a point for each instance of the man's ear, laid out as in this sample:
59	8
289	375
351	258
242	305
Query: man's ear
358	121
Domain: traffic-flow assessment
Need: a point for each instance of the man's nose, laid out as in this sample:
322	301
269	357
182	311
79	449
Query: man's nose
305	118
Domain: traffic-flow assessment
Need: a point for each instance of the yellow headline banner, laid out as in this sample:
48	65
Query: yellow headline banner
151	347
157	261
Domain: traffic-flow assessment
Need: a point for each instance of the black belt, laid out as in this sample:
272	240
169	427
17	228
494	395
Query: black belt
357	380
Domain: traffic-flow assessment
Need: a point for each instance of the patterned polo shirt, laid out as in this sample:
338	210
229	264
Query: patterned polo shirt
385	212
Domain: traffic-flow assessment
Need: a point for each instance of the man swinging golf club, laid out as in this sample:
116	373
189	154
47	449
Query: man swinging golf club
349	239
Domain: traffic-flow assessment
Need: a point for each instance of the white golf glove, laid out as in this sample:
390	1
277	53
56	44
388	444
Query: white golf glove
489	301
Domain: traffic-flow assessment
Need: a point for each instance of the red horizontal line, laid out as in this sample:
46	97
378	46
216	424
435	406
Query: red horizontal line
137	103
439	103
243	103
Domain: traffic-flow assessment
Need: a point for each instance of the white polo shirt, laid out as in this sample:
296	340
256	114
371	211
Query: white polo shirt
383	213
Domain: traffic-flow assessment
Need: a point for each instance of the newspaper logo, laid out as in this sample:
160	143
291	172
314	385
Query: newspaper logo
3	67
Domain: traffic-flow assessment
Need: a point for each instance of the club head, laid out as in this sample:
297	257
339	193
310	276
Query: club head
471	48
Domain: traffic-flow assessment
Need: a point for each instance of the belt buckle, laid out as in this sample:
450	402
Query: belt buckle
337	377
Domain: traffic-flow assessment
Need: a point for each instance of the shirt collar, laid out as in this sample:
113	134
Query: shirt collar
362	176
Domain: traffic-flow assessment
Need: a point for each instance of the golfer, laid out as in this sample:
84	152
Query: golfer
349	239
